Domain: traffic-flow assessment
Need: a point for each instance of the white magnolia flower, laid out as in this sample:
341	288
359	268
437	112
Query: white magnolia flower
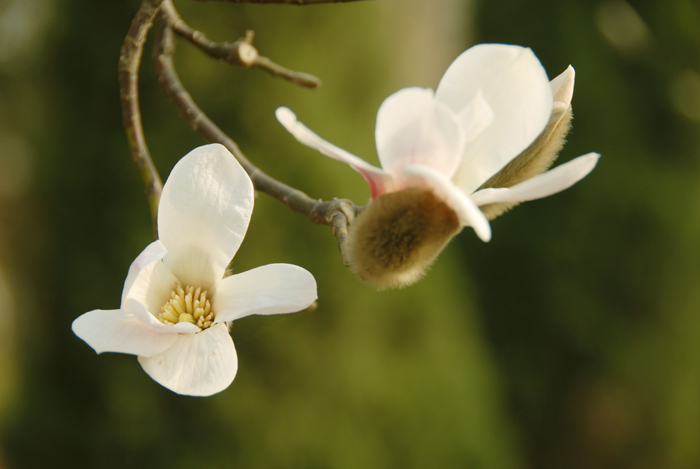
176	305
455	157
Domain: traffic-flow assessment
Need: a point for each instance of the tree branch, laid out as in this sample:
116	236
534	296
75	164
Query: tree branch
286	2
241	53
129	63
338	212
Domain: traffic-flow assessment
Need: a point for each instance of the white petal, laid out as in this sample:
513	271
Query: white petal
118	331
517	89
203	214
195	365
379	181
151	287
467	211
271	289
153	252
563	86
138	310
543	185
476	116
414	128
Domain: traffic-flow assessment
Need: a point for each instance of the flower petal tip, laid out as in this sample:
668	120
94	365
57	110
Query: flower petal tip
563	86
119	332
285	116
483	232
590	161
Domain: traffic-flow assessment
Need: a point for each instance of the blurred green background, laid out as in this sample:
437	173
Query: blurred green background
571	340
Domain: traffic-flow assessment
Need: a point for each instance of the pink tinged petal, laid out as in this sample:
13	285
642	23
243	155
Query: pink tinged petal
153	252
196	365
414	128
517	89
119	331
548	183
379	181
271	289
467	211
563	86
138	310
203	215
151	287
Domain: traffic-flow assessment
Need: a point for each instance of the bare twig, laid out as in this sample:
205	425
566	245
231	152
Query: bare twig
298	78
129	63
242	52
337	213
286	2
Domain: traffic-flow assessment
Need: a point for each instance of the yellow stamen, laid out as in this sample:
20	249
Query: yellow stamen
175	304
168	316
187	305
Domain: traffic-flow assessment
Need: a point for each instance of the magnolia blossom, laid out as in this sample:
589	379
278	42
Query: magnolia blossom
455	157
176	304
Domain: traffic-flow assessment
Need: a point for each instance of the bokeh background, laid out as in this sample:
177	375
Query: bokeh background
571	340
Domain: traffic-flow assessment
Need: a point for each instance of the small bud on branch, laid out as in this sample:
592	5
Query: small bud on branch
241	53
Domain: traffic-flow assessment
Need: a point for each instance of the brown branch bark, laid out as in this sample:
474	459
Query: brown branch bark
286	2
241	53
337	213
129	63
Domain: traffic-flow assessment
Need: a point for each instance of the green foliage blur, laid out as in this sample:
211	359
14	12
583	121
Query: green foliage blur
571	340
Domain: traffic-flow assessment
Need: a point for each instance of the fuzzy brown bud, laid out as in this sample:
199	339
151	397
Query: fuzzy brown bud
396	238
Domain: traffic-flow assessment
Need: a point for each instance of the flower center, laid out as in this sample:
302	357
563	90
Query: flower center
187	305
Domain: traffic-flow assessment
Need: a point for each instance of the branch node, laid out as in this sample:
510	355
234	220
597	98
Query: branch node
247	53
241	53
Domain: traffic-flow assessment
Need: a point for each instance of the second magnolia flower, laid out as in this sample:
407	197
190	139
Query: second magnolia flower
177	302
456	157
